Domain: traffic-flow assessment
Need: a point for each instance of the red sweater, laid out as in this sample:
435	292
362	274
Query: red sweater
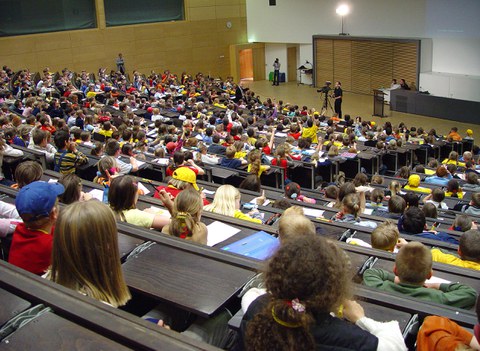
174	192
31	250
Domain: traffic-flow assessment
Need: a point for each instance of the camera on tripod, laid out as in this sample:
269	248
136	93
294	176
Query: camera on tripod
326	88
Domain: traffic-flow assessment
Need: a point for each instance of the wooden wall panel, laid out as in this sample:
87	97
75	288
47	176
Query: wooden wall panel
405	62
364	64
342	63
361	67
198	44
381	67
323	61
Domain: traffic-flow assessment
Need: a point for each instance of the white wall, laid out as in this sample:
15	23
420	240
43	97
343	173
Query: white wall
454	26
296	21
273	51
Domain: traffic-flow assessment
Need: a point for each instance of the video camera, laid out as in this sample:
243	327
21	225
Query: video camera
326	88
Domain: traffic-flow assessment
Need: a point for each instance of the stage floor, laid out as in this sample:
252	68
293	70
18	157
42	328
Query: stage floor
355	105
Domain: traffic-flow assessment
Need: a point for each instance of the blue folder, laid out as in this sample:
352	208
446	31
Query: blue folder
259	245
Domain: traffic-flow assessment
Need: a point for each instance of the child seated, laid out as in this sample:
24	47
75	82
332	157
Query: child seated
185	223
436	197
385	237
413	184
468	252
350	211
413	222
292	191
230	161
37	204
413	266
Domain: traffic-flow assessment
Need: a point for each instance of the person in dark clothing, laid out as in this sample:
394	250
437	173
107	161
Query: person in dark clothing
404	85
215	147
338	95
276	72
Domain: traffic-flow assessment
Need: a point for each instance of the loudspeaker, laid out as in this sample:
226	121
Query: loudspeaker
272	2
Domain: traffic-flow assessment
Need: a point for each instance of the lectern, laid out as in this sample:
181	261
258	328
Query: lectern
378	103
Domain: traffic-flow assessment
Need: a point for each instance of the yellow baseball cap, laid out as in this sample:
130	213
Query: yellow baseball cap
414	180
469	132
185	174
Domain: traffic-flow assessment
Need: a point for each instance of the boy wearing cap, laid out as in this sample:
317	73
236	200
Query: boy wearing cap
413	185
32	240
182	178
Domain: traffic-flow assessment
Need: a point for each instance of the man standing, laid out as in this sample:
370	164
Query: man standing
276	72
338	94
120	64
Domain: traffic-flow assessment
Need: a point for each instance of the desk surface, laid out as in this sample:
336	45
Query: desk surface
51	332
11	306
190	281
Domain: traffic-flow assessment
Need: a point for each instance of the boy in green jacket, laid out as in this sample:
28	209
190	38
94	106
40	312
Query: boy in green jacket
413	266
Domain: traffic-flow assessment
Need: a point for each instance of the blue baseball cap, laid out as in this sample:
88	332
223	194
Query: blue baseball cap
37	199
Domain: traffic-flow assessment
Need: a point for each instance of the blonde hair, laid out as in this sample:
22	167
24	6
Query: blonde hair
224	201
414	263
351	204
186	210
385	236
394	187
293	223
85	253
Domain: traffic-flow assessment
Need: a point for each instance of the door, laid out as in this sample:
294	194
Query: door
292	64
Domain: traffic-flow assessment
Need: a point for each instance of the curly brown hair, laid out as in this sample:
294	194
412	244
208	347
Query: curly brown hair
318	277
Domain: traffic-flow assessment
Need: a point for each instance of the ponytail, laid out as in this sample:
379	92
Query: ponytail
182	225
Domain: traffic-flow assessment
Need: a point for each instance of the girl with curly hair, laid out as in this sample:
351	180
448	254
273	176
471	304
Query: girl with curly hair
306	280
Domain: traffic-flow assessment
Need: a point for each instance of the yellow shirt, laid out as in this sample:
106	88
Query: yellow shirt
439	256
418	189
452	162
311	132
459	194
262	169
240	215
429	171
240	154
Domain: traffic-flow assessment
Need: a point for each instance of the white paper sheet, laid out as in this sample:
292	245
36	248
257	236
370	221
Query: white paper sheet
312	212
163	161
143	188
437	280
96	194
265	203
218	232
368	211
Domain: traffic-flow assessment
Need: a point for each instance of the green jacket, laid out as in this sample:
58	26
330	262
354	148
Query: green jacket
454	294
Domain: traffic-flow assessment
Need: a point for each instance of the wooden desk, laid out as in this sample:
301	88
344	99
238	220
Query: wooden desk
190	281
51	332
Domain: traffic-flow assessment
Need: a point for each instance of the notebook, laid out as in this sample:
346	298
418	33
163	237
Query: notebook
259	245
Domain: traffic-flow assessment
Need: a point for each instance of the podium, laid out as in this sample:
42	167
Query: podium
378	103
303	70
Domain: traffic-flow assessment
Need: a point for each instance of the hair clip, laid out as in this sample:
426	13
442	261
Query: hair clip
297	306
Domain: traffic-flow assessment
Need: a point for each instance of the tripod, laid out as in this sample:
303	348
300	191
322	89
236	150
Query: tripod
326	103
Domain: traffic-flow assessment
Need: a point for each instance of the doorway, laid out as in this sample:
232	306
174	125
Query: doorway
246	64
292	63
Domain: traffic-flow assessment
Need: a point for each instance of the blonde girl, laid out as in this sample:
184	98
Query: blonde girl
255	164
186	214
227	202
85	255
